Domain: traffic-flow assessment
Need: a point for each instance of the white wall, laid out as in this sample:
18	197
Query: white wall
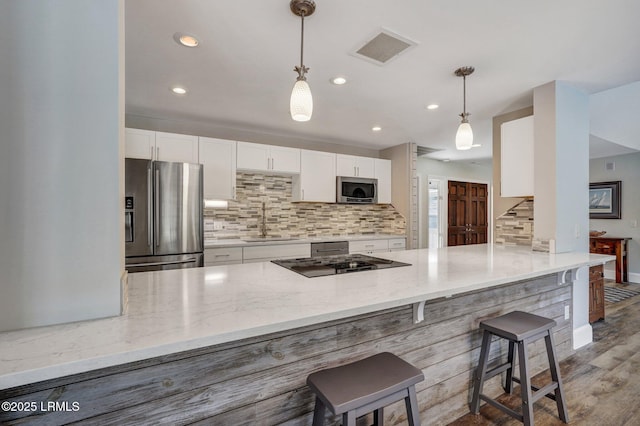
561	175
456	169
61	118
627	170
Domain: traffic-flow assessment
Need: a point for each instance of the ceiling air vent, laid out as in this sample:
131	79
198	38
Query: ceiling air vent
424	150
383	47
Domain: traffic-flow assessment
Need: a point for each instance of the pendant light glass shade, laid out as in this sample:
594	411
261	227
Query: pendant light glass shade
464	136
301	104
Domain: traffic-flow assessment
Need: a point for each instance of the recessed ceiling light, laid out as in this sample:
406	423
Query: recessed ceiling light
445	160
188	40
476	145
433	106
376	128
179	90
338	81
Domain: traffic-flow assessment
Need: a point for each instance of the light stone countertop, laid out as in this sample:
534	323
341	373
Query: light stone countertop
239	242
180	310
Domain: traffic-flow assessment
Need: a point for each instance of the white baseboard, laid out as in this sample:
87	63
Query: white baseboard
610	274
582	336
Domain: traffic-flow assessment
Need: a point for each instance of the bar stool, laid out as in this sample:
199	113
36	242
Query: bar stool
519	328
366	386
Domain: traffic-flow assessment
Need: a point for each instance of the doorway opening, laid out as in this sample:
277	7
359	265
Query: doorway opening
434	213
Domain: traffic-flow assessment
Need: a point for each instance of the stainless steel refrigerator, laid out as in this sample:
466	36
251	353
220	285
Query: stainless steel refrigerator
163	215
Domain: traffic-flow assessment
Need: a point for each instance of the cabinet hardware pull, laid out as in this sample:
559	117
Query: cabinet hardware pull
149	209
157	209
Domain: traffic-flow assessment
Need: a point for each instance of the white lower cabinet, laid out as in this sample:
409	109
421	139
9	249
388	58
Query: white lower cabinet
397	244
222	256
368	246
263	253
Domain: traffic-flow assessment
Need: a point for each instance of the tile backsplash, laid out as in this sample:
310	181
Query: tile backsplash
283	218
515	227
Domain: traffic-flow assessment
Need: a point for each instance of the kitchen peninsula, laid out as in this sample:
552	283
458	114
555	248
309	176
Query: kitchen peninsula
233	344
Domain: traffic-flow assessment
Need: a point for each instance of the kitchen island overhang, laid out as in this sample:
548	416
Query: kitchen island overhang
175	311
233	345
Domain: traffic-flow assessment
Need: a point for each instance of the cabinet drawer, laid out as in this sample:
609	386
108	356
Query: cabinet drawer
368	245
222	256
277	251
602	247
397	244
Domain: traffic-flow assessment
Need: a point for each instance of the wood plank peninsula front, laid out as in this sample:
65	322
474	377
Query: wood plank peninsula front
233	344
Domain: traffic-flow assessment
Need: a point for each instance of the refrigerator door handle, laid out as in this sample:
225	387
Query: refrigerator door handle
157	209
170	262
149	204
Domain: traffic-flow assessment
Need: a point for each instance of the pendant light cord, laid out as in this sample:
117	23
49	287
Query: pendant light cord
464	98
302	41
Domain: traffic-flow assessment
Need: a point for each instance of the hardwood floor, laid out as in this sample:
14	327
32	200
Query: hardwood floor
601	381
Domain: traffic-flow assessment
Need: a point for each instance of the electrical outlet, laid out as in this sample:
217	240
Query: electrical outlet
218	226
634	223
566	312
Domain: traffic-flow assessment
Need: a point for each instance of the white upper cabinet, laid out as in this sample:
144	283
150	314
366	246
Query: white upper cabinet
268	158
516	158
139	144
218	159
160	146
352	165
317	180
383	174
174	147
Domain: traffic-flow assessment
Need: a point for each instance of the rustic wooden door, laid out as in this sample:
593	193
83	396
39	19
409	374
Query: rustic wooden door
467	213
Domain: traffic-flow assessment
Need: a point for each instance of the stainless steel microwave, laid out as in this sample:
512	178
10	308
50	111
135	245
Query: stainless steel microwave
355	190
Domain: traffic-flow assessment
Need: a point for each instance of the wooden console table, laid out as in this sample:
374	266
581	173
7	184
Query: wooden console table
614	246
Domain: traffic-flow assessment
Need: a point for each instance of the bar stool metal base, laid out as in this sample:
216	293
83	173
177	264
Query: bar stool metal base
366	386
520	329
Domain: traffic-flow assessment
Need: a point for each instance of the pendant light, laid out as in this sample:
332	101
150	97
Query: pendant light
301	104
464	135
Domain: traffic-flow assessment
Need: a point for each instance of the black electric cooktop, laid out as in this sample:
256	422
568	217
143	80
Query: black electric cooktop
312	267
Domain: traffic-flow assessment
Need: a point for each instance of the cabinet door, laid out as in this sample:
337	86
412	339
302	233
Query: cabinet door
253	156
317	181
218	159
264	252
383	174
222	256
365	167
397	244
368	246
285	160
175	147
139	143
516	163
345	165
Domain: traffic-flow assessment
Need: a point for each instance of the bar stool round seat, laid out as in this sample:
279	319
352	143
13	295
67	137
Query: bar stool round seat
366	386
520	329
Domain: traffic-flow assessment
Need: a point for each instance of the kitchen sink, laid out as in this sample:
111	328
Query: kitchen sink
268	239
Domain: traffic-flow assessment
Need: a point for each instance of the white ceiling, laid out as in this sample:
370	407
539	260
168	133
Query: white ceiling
241	75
